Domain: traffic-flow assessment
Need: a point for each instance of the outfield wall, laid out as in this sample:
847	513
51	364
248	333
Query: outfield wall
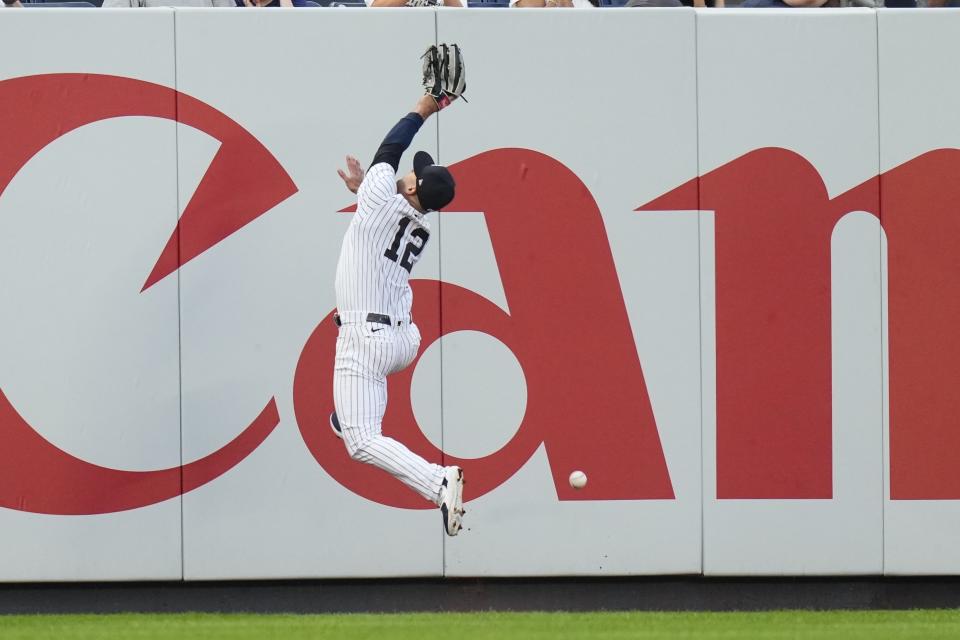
708	257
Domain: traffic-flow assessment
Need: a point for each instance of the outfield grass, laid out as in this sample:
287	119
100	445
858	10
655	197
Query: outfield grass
848	625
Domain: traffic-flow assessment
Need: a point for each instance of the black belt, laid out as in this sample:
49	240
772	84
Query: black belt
378	318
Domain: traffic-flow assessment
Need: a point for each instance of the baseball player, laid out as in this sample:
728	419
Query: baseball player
377	335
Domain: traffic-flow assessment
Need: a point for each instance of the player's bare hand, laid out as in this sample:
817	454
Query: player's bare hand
353	176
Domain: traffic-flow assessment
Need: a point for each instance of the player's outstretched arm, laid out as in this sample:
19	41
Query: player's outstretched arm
393	146
402	133
444	80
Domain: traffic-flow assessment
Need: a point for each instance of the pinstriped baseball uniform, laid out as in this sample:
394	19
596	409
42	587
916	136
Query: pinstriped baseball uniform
383	243
381	246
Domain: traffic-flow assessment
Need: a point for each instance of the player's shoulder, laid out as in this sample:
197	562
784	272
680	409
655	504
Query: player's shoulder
382	176
379	184
378	189
381	169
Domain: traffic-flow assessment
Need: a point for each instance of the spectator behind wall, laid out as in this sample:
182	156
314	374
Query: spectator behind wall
872	4
654	3
274	3
416	3
12	4
168	3
675	3
789	4
576	4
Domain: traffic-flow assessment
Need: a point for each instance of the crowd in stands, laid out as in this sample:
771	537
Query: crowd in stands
482	3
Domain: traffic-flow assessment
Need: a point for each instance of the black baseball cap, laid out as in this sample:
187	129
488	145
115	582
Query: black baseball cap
435	185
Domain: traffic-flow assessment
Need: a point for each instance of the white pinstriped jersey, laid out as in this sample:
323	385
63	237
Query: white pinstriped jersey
383	242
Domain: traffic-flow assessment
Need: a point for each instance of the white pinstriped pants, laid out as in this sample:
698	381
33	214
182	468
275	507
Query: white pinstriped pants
367	353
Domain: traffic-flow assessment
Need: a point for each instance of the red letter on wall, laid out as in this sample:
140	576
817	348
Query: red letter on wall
243	182
921	215
774	396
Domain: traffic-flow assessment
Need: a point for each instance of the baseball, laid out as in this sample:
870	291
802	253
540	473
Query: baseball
578	479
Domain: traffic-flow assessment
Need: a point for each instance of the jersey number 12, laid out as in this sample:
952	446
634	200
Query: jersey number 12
412	249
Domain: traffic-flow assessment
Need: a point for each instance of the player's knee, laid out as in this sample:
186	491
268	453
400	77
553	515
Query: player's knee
355	452
355	444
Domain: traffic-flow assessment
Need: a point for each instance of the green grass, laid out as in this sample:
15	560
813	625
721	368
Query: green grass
848	625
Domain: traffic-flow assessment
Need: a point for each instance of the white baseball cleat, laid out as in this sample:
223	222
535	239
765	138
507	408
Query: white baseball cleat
451	500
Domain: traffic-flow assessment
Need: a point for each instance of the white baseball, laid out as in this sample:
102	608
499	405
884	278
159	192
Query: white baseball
578	479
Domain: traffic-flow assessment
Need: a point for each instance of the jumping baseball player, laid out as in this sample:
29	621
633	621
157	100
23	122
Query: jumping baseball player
377	334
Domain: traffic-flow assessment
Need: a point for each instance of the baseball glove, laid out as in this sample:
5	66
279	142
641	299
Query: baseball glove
444	73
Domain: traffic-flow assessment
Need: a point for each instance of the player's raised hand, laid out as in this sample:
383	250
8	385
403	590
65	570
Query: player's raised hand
353	176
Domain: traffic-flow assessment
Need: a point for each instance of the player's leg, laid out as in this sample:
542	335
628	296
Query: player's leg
360	396
407	344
